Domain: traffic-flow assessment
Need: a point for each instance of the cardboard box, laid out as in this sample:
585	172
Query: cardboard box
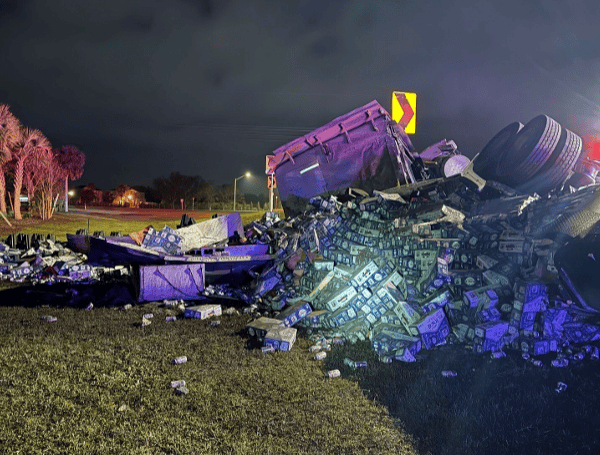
493	330
294	313
322	284
491	314
580	332
438	338
342	316
80	271
433	329
485	262
544	346
481	345
259	328
165	240
534	290
553	320
535	305
408	312
404	355
389	340
437	300
363	274
202	311
281	338
341	298
527	320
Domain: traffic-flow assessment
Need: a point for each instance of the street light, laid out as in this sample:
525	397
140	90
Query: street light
247	174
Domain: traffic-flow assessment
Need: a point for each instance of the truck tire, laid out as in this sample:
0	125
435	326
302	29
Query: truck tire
530	151
559	166
486	162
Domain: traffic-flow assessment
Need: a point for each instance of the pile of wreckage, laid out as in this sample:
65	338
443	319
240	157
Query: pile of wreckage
408	250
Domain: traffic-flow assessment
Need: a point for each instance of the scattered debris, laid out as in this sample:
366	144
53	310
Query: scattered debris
202	311
449	373
333	374
408	250
561	387
182	390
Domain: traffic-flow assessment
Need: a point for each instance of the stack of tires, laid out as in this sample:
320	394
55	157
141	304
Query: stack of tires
535	158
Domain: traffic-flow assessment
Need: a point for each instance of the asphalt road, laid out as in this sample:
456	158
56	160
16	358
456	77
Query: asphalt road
139	213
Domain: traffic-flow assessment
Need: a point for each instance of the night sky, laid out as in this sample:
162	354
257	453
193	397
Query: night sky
145	88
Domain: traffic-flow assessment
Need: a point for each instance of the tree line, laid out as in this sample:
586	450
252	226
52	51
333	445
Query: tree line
29	163
169	192
194	191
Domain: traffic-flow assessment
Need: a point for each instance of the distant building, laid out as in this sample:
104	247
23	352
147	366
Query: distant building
89	195
124	195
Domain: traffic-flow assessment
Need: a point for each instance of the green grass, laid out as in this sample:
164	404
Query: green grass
62	223
97	382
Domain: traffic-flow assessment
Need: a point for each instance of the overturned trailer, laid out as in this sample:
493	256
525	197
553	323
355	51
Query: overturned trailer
362	149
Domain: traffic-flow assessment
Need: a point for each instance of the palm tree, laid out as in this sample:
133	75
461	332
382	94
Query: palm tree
9	131
28	142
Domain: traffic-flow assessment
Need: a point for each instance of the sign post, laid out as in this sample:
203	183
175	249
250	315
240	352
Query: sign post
270	181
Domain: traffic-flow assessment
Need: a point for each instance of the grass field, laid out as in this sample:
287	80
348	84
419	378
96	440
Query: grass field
62	223
97	382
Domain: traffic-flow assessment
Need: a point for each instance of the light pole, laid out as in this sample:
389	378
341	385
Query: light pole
247	174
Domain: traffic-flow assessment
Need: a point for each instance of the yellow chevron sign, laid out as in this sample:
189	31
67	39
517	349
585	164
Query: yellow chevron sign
404	110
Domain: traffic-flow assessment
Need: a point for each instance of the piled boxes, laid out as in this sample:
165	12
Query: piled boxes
408	277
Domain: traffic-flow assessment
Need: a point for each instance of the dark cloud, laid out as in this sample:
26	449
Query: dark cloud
210	88
326	46
140	21
12	9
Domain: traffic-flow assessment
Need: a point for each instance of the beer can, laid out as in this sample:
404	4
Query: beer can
560	363
333	374
320	355
179	360
182	390
449	373
561	387
180	383
386	359
49	318
268	348
170	318
360	364
578	356
148	316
